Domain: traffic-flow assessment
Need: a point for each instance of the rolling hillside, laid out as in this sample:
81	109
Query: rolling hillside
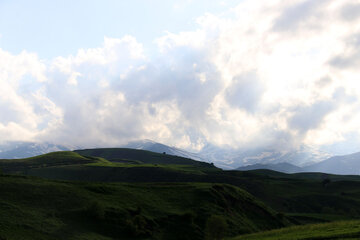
89	165
53	159
160	148
346	230
293	194
299	198
34	208
280	167
136	156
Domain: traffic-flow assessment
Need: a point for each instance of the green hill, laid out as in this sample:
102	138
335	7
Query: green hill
47	160
349	230
302	197
299	198
303	175
135	156
305	200
127	165
34	208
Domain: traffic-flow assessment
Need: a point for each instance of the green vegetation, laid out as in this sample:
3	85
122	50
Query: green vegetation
135	194
216	227
34	208
134	156
46	160
304	200
336	230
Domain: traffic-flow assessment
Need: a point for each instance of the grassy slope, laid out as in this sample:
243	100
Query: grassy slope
307	200
302	196
304	200
47	160
335	230
135	156
34	208
304	175
126	165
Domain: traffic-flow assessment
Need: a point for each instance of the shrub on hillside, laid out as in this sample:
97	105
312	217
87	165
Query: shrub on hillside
96	210
216	228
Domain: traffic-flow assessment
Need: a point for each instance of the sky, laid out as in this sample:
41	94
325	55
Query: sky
245	74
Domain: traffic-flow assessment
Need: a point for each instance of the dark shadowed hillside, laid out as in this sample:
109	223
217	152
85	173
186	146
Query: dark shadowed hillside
33	208
280	167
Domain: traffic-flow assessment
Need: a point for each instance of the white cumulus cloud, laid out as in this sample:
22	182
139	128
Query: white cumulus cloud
266	73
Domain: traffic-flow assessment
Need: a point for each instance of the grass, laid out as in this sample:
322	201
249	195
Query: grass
35	208
298	196
303	175
160	196
301	196
47	160
134	156
170	167
335	230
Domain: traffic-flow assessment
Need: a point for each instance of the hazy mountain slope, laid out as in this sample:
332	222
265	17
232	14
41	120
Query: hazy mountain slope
280	167
224	157
346	165
161	148
230	158
233	158
11	150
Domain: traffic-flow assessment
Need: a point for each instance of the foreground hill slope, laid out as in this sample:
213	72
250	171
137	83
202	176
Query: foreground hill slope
346	230
304	197
34	208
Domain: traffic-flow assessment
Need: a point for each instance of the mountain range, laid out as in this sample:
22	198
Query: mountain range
18	149
342	165
230	158
304	159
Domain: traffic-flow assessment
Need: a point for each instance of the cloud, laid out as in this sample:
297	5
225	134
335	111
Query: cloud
351	12
245	91
272	74
300	14
310	117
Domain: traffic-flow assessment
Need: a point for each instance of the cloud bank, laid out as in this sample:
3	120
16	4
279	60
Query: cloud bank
278	74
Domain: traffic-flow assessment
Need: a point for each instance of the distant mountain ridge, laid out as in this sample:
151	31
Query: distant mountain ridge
344	165
17	149
305	159
152	146
234	158
229	158
223	157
